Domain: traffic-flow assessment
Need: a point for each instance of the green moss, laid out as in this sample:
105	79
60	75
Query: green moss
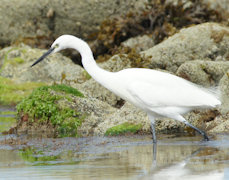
123	128
11	93
66	89
42	107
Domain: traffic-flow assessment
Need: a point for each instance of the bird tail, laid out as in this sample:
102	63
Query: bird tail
215	91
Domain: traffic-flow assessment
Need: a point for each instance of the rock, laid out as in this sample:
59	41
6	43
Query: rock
177	54
51	18
62	109
16	62
207	41
132	115
224	88
97	111
198	54
91	88
116	63
222	5
219	125
205	73
213	4
187	3
199	118
127	114
139	43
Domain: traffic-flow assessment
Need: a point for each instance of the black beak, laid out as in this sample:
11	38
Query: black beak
43	56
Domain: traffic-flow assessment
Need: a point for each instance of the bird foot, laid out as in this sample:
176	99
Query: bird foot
206	137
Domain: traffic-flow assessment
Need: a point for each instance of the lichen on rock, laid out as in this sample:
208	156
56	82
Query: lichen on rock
16	62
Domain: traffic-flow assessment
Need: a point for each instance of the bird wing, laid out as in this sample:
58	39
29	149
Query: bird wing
174	93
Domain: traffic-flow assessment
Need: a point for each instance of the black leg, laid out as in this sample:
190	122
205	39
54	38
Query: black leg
182	119
153	130
153	133
152	123
198	130
154	154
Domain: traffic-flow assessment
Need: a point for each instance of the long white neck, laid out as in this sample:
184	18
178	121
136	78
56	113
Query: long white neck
100	75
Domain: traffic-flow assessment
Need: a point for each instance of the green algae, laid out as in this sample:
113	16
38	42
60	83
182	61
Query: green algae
42	107
123	128
64	88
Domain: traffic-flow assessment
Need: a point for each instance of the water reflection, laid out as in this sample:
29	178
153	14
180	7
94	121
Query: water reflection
116	158
7	118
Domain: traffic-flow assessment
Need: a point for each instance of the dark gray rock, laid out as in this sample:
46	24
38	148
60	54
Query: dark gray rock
51	18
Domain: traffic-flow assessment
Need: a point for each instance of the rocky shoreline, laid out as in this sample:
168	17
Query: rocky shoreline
198	53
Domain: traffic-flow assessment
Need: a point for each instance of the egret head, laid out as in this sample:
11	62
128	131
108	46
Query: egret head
60	43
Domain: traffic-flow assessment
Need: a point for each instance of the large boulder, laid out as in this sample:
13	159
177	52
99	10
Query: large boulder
224	88
16	62
139	43
219	5
207	41
51	18
127	114
205	73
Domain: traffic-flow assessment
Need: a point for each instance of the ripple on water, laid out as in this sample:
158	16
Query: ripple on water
115	158
7	118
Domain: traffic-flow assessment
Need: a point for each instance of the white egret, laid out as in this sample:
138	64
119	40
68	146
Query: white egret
155	92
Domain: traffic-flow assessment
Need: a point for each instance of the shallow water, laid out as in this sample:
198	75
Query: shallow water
114	158
124	158
7	118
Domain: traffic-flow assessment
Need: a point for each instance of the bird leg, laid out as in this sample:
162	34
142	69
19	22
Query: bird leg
182	119
198	130
153	133
154	154
152	121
